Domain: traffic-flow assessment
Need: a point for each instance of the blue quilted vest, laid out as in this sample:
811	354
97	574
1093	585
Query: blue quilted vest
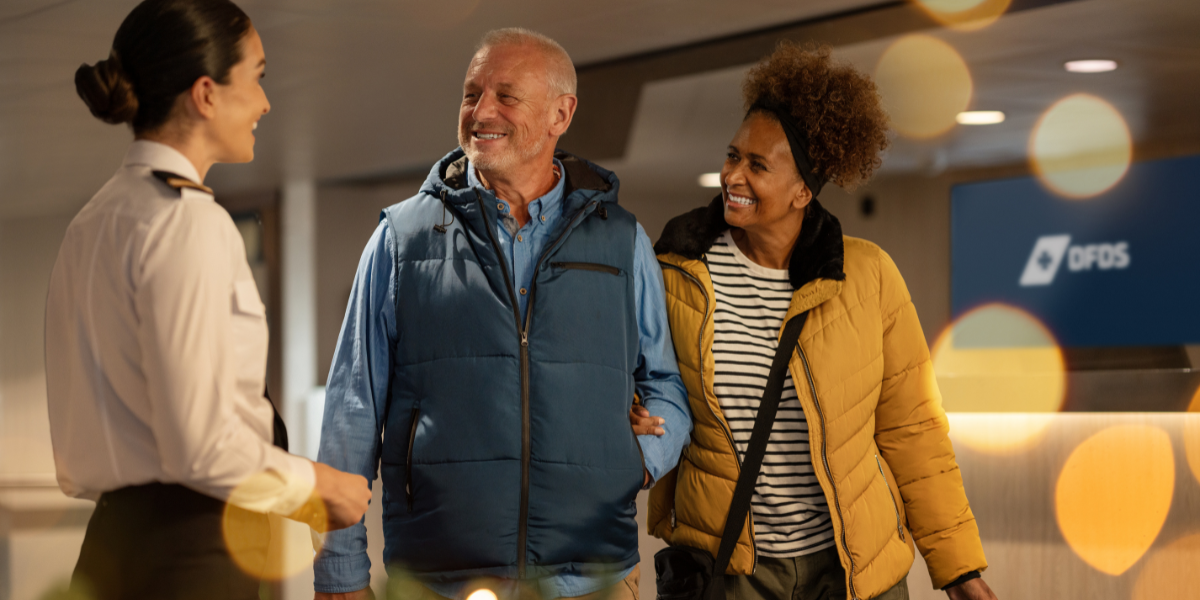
507	449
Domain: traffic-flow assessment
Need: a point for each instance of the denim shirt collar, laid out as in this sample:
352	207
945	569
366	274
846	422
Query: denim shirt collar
549	205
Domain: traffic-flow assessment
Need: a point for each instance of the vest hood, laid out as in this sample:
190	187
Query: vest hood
819	252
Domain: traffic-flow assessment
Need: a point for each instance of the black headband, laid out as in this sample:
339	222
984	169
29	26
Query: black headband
797	140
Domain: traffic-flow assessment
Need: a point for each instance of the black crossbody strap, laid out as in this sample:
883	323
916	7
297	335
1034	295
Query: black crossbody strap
752	461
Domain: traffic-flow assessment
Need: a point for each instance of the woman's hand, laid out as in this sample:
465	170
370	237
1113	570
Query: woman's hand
973	589
643	423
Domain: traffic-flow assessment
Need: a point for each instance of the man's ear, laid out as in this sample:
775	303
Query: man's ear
202	98
562	110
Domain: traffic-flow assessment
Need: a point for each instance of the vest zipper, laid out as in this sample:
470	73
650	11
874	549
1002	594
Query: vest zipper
583	266
408	478
522	526
522	535
724	425
825	460
899	527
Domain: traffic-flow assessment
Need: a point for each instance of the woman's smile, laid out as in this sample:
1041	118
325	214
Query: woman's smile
738	200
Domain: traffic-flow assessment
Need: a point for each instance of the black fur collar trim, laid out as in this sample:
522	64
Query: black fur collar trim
819	252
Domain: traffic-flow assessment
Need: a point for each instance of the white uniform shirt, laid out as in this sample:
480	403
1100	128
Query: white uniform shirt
156	347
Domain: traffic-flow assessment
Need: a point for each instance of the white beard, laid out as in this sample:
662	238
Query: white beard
500	162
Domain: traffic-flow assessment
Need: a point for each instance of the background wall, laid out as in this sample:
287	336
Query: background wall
40	529
28	248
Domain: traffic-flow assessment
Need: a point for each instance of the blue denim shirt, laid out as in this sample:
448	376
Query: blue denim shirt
356	392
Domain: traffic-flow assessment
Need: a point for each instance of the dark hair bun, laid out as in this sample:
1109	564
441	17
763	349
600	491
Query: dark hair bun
107	91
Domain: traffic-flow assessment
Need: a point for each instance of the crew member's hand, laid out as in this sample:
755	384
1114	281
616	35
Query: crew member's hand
363	594
345	495
643	423
972	589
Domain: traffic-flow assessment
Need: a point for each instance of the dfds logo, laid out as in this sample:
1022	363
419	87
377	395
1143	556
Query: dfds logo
1049	250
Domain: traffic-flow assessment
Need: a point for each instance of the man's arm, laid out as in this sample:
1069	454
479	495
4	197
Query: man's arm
355	404
657	376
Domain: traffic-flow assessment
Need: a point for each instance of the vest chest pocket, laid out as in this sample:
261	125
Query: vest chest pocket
587	266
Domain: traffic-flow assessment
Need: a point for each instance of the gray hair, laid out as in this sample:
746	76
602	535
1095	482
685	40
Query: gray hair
561	77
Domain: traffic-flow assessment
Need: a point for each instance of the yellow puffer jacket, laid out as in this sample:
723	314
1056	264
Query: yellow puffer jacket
863	374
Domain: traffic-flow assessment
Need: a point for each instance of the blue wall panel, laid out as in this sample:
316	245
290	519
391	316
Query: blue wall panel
1119	269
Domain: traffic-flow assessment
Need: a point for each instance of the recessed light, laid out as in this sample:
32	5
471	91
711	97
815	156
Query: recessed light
710	180
980	117
1091	65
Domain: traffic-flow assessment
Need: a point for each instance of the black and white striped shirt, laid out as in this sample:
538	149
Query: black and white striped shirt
790	515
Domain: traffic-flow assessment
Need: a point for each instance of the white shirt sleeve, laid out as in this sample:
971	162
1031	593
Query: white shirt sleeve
186	301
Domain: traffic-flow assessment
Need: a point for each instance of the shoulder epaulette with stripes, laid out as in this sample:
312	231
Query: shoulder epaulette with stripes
179	181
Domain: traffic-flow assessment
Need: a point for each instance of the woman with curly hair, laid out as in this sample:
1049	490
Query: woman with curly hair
858	465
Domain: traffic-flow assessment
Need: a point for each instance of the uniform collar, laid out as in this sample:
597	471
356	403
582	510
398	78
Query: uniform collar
160	157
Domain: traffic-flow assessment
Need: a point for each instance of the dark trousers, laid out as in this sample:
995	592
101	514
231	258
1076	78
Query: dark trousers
817	576
158	541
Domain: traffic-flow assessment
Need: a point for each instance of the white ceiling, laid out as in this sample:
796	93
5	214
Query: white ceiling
356	87
372	86
683	125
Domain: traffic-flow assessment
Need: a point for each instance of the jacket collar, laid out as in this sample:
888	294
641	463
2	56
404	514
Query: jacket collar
819	252
450	175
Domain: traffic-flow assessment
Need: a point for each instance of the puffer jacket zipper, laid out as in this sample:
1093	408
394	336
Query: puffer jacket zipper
899	526
700	367
825	461
408	463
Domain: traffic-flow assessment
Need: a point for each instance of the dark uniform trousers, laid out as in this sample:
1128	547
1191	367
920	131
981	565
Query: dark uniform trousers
160	541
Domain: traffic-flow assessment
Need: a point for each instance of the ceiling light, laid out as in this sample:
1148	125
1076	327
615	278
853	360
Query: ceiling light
710	180
1090	66
980	117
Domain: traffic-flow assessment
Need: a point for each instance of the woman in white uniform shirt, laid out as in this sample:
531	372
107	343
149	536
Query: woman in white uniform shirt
156	339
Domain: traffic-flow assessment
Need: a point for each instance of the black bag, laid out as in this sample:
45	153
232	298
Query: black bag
685	573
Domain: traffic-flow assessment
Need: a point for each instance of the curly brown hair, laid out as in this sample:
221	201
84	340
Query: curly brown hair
837	106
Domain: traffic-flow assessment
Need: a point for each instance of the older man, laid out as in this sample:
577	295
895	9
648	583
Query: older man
500	325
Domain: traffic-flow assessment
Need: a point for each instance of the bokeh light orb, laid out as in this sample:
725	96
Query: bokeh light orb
1080	147
1191	435
1171	571
271	547
924	84
964	15
999	433
1000	359
482	594
1113	495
